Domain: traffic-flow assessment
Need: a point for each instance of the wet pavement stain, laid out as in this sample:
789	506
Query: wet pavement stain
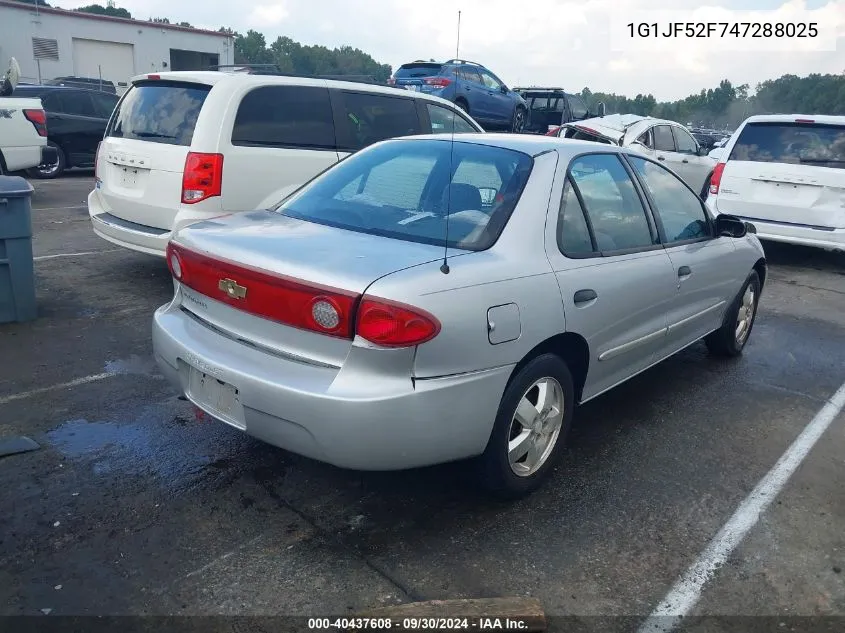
159	441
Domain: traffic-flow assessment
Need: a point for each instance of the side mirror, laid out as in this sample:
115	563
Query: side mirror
504	89
731	226
600	108
702	151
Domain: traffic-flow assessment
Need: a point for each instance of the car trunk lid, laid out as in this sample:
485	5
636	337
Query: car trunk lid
328	262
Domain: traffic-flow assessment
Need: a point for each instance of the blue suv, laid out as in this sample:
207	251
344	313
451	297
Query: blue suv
470	86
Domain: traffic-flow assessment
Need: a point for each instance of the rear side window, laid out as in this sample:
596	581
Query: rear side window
104	104
369	118
663	140
616	213
159	112
573	233
77	103
285	116
794	143
402	189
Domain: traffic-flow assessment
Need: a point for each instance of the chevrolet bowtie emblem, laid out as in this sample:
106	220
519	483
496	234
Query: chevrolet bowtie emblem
231	288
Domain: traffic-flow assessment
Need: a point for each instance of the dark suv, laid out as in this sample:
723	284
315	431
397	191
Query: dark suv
470	86
76	122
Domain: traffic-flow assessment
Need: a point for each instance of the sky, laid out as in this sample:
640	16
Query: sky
565	43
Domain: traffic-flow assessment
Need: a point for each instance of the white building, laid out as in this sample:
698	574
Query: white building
51	43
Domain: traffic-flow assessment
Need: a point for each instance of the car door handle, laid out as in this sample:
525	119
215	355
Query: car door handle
585	296
685	161
684	272
661	158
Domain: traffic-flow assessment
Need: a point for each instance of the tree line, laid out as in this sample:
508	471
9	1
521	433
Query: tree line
726	105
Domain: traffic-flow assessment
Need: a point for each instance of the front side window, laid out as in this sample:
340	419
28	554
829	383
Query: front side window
402	189
285	116
679	209
793	143
104	104
686	143
159	112
611	201
77	103
371	117
444	120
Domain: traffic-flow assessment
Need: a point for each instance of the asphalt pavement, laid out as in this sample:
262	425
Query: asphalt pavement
134	506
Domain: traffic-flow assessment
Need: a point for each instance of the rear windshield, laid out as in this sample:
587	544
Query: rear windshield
159	112
402	189
410	71
795	143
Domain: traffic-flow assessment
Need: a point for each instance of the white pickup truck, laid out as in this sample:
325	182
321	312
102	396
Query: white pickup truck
23	135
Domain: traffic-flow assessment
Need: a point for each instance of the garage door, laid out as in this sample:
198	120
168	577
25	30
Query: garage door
115	60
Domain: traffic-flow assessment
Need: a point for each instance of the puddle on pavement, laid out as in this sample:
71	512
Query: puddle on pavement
162	441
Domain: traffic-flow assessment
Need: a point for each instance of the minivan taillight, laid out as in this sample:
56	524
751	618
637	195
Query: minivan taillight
97	162
393	324
716	178
202	178
38	118
441	82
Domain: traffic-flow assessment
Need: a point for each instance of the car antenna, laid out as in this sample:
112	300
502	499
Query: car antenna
444	268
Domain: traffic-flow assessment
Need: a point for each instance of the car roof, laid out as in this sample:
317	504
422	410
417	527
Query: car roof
531	144
51	88
791	118
214	77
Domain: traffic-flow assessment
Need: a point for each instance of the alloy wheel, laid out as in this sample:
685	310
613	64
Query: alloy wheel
535	427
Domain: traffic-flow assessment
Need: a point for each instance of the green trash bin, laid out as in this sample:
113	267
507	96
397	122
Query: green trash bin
17	274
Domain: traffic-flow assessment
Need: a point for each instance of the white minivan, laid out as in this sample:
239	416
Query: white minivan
186	146
786	174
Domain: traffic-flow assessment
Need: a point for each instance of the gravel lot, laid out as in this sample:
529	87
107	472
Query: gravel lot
134	506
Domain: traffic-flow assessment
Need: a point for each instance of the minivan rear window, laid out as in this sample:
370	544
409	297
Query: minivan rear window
794	143
402	189
159	112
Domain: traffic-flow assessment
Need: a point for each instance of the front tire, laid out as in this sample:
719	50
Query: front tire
531	427
730	339
48	172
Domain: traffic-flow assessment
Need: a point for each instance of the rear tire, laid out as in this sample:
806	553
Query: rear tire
51	171
519	120
730	339
463	105
530	431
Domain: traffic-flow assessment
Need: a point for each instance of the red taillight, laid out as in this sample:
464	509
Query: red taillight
97	161
442	82
716	178
202	178
289	301
153	76
39	119
394	325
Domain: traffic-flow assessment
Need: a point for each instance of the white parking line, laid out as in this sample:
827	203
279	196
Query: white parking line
65	385
43	257
686	592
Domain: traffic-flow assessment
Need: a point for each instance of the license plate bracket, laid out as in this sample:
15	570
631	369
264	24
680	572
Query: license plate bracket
216	397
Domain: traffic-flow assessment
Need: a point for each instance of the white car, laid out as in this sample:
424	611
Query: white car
182	147
786	174
665	141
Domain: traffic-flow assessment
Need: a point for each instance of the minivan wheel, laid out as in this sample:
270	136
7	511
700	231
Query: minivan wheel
730	339
518	120
46	172
530	430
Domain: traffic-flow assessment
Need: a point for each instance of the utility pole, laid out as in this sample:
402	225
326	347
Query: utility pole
458	46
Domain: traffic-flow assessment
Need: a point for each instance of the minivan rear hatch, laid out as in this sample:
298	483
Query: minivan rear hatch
790	172
142	157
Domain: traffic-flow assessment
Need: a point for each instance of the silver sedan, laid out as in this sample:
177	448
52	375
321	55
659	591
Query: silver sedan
431	299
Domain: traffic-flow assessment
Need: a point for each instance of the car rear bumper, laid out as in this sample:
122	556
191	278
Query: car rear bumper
828	238
362	418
